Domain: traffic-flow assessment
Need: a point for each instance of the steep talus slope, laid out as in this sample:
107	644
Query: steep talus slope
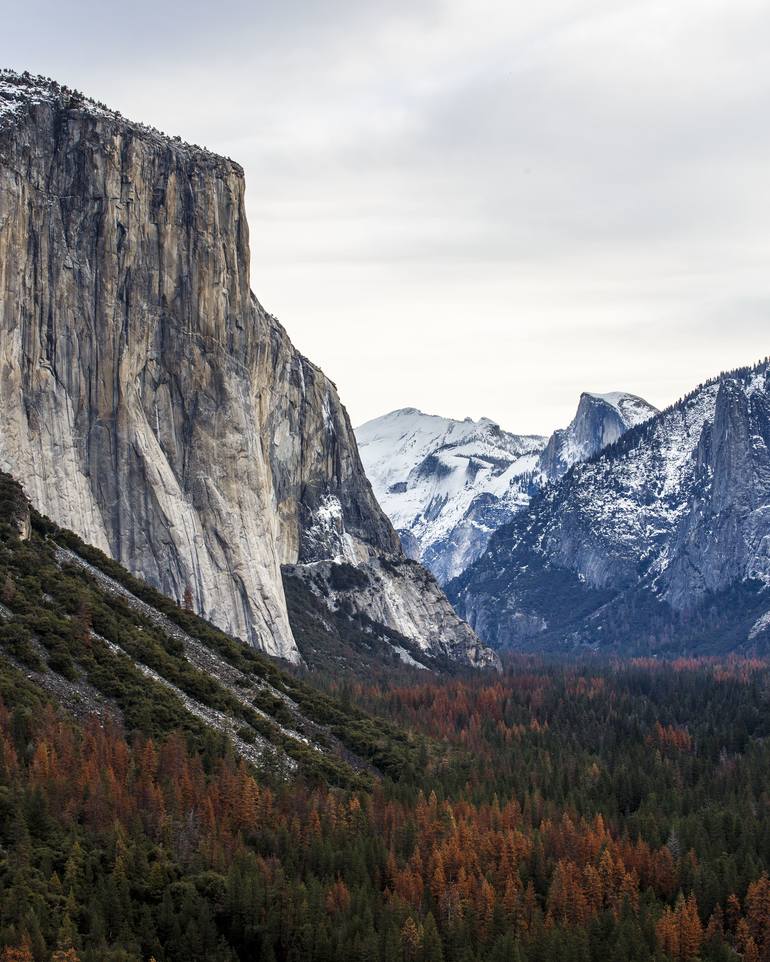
147	401
448	485
79	631
422	629
661	541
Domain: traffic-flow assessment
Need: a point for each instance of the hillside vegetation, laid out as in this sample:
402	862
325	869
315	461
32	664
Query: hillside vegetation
168	794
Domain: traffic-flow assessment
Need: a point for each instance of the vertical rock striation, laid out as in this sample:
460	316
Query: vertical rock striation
147	400
600	420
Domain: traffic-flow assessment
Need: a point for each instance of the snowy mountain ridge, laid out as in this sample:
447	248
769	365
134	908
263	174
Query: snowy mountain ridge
659	543
447	485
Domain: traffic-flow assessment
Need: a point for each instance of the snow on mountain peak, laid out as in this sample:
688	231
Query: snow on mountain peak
673	519
631	408
601	419
447	484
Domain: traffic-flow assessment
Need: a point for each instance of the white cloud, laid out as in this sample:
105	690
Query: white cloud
471	207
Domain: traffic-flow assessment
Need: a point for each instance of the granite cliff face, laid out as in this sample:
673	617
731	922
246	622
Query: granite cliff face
147	400
725	529
660	543
600	420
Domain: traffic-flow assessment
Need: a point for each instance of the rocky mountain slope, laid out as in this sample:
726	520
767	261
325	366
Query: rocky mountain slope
78	630
147	400
448	485
661	542
388	602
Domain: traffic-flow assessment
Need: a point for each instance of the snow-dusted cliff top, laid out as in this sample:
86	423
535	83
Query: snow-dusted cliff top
22	92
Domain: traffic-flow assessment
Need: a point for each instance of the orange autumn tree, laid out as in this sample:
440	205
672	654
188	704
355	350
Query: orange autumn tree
679	930
20	953
65	955
758	913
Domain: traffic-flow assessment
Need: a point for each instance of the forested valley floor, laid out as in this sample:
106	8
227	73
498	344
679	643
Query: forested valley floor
559	812
167	794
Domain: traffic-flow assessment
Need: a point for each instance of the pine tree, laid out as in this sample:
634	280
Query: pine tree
411	939
432	948
758	911
690	929
187	599
667	931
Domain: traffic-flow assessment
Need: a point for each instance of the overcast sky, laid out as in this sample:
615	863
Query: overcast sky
469	207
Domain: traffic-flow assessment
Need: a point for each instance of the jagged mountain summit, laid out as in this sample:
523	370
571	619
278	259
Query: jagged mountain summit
148	402
448	485
661	543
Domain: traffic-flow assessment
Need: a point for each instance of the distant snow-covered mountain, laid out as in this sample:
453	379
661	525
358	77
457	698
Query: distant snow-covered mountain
447	485
660	543
600	420
441	481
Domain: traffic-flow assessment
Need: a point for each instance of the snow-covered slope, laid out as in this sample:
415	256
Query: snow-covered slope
438	479
448	485
662	542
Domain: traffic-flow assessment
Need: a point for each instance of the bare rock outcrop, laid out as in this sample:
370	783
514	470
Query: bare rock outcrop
147	400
